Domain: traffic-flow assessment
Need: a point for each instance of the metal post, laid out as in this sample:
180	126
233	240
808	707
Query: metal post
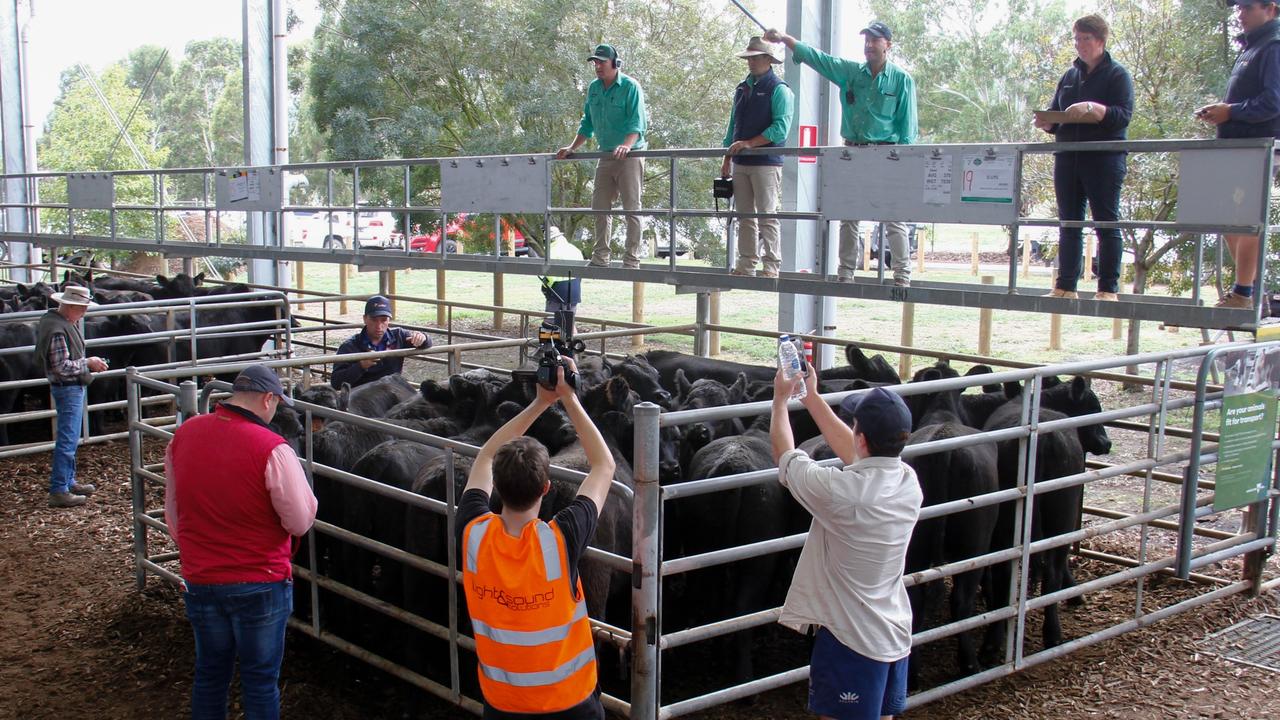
1028	513
1187	518
1014	230
646	568
187	398
714	335
451	519
135	478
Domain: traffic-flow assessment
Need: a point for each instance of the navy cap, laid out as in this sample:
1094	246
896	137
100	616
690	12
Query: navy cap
604	53
259	378
377	306
878	29
880	415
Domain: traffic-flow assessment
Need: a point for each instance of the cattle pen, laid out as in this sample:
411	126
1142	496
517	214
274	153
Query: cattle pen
649	568
1154	521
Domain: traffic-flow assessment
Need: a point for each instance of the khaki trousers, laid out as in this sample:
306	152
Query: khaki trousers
617	178
755	190
851	249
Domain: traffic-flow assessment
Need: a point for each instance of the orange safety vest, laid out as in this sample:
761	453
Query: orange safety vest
533	638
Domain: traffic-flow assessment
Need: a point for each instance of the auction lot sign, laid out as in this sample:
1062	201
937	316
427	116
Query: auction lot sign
1247	428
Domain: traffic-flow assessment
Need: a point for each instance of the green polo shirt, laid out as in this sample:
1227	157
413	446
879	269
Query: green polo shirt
613	113
883	108
783	105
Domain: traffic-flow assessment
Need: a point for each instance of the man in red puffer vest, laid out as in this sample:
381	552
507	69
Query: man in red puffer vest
235	495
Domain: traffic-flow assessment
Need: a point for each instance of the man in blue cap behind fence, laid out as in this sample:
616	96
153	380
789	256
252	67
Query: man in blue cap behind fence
847	590
377	336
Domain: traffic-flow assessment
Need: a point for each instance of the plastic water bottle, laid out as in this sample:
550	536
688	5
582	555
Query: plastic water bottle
789	362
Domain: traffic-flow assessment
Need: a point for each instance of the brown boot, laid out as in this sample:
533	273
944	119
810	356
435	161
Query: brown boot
1232	300
65	500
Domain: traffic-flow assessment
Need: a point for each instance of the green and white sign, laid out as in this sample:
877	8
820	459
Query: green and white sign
1244	448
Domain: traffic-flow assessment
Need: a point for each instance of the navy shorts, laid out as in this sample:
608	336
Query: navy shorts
848	686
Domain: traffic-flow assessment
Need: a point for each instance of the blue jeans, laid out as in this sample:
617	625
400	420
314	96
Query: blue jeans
1093	177
68	401
245	621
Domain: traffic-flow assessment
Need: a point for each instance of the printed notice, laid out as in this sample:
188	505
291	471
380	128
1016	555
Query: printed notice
937	181
244	185
987	179
238	186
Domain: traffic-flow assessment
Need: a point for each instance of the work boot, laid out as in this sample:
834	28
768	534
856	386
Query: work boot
1232	300
902	282
1105	296
85	489
742	272
767	273
1064	294
66	500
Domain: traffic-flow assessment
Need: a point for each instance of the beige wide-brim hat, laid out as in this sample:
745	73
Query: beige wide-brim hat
73	295
757	46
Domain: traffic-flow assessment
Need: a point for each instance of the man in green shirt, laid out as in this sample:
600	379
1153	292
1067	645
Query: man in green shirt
879	108
614	112
763	106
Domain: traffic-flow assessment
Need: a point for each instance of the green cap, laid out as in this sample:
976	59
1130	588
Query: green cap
605	53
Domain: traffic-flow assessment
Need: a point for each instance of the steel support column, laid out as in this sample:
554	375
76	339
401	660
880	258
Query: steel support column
260	98
18	157
805	243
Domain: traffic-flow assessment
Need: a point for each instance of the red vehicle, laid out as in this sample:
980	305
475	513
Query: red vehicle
461	230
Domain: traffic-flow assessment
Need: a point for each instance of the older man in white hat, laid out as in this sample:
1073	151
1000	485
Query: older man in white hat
763	106
60	351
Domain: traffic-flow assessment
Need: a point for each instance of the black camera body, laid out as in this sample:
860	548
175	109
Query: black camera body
553	351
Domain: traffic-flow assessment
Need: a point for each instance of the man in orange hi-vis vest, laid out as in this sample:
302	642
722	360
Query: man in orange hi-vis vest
520	575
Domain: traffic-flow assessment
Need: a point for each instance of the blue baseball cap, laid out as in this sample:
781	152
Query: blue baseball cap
377	306
877	29
879	414
259	378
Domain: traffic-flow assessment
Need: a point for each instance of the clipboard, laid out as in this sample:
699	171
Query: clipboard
1059	117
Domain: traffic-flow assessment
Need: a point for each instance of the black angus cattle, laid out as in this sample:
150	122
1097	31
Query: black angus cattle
642	377
706	393
947	476
19	366
120	354
875	370
394	463
1058	454
324	395
374	399
732	518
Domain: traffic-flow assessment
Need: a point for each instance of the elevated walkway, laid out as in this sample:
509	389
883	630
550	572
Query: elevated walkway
1224	185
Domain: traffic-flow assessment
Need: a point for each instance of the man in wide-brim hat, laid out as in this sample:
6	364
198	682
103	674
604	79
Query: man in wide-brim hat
60	352
763	106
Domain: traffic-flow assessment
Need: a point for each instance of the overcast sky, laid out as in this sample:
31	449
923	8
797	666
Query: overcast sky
100	32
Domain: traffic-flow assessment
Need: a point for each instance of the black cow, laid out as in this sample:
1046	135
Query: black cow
707	393
18	366
1058	454
374	399
946	476
642	377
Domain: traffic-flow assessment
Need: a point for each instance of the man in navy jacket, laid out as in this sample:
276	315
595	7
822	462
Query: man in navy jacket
377	335
1251	109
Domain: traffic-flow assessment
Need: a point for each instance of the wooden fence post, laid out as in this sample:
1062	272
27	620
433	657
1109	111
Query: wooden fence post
714	344
974	254
499	291
866	250
442	314
1088	258
1055	332
637	312
1026	257
984	323
299	281
908	330
391	290
1117	329
342	288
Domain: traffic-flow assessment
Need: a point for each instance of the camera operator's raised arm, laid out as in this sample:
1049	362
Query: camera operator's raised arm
600	477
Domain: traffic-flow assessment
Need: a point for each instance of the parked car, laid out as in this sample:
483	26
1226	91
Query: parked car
464	229
336	229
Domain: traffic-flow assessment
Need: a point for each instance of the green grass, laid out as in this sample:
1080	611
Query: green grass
1023	336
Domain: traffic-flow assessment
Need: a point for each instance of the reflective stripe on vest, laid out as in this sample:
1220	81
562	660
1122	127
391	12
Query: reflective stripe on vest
530	638
550	553
545	677
473	542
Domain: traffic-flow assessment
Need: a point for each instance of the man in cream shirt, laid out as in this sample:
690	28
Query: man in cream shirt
848	589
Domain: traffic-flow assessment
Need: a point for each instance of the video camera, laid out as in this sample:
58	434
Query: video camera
554	347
